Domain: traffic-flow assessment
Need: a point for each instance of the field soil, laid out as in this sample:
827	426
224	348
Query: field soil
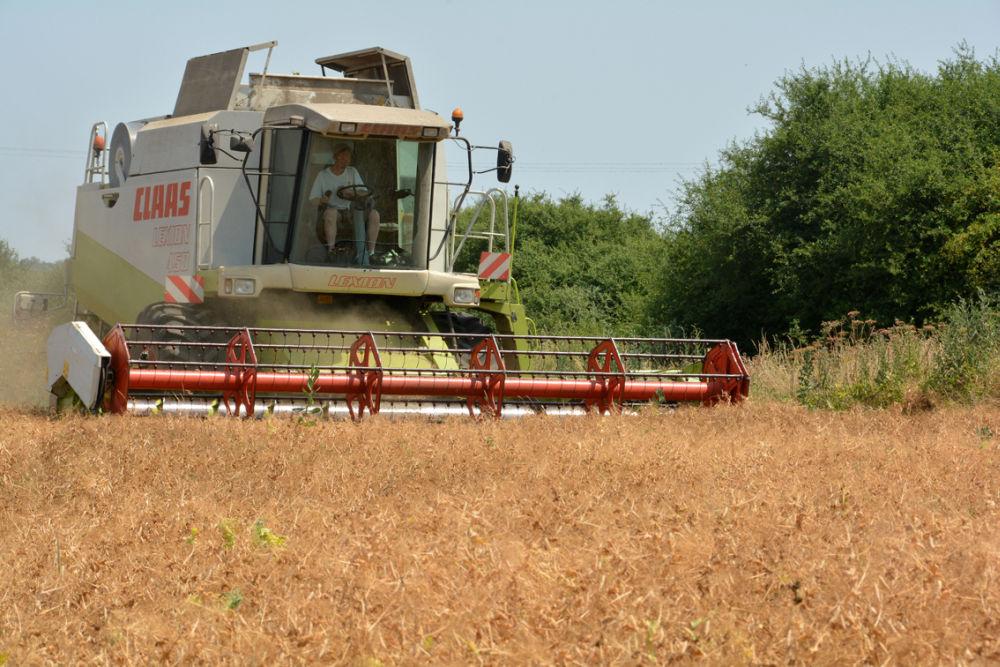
755	534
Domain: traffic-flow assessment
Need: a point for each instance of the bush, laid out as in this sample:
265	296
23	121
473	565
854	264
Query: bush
967	365
856	364
582	269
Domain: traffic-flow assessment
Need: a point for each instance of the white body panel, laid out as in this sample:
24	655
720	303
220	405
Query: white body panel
76	355
169	202
152	224
226	218
173	143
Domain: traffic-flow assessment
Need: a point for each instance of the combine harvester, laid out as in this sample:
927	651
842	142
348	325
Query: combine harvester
293	243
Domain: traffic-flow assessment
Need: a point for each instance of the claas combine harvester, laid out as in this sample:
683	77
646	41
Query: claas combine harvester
289	240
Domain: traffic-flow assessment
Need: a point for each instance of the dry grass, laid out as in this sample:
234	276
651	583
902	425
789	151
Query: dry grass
854	363
756	534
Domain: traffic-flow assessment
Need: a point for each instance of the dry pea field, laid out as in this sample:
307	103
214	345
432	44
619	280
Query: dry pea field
754	534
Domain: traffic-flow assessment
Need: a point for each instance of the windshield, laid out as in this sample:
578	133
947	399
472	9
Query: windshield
363	202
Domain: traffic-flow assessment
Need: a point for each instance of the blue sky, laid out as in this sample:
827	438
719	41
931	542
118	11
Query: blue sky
597	97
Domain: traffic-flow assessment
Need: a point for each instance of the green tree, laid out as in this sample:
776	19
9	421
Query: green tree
874	187
10	271
17	273
581	268
8	257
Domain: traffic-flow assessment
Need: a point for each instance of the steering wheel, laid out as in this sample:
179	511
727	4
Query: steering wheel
355	193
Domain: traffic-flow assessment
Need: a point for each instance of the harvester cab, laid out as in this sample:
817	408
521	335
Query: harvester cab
293	229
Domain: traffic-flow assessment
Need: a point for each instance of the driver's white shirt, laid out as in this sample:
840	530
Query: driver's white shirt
327	180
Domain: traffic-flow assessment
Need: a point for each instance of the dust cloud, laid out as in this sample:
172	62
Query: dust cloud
347	312
23	367
22	361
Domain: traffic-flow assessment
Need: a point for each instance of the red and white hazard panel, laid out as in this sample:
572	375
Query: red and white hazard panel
494	266
184	289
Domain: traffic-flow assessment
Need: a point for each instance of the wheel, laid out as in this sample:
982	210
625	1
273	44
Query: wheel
462	323
176	343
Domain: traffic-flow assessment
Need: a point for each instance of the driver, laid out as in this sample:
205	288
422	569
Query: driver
338	175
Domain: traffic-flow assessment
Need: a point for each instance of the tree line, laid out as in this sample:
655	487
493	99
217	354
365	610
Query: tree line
873	188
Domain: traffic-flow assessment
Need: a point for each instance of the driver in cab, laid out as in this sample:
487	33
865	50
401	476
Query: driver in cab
336	190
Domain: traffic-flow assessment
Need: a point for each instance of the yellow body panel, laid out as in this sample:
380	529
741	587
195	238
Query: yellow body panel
107	285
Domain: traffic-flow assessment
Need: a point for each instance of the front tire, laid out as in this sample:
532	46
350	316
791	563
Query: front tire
177	343
462	323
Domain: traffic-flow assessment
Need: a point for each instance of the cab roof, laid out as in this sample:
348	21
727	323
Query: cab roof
330	119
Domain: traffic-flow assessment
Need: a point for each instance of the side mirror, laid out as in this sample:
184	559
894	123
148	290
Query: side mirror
240	144
505	161
28	305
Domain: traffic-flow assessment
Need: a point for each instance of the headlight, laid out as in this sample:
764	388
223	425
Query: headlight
466	296
240	286
244	286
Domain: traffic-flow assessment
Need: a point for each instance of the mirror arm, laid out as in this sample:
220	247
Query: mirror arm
453	218
254	197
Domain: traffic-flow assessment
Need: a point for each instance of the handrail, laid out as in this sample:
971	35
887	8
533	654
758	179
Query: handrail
506	219
488	197
97	163
204	235
453	251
